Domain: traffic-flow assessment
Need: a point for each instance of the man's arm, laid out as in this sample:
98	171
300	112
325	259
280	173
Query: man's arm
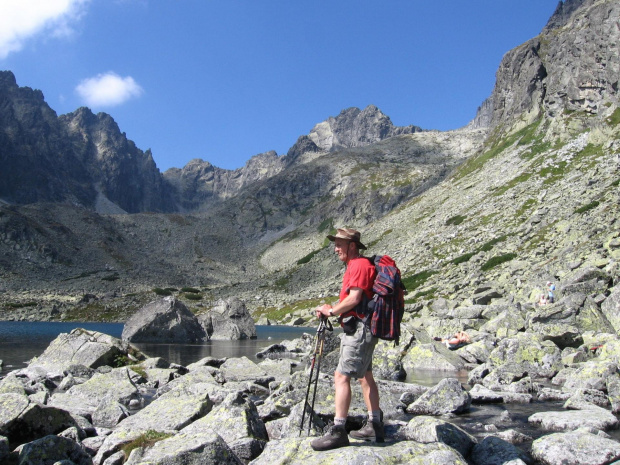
348	303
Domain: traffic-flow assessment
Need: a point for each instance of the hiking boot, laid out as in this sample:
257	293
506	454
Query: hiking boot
336	437
370	431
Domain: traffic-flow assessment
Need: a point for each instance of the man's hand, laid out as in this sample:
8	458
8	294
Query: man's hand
323	310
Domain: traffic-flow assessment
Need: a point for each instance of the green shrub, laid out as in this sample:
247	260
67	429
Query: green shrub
616	183
455	220
192	296
416	280
498	260
463	258
587	207
190	289
614	119
20	304
489	245
162	292
308	257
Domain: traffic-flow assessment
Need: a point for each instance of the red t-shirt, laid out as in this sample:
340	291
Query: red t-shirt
359	273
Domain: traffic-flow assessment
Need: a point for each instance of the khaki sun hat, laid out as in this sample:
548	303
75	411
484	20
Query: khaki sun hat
348	234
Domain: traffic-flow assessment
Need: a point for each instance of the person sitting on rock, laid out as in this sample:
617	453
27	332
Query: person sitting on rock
455	342
542	300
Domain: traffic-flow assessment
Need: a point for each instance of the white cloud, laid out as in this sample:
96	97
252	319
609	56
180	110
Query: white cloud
22	19
108	89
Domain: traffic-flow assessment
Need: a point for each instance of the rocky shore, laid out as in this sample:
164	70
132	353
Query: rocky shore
94	399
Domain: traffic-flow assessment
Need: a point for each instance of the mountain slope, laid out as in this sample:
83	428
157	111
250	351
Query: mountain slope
470	215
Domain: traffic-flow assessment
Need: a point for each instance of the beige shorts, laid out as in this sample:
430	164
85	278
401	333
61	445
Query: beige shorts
356	352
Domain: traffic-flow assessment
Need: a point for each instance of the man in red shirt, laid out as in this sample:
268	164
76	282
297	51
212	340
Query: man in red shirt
357	344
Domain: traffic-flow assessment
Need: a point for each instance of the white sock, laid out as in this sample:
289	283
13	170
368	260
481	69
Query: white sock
340	421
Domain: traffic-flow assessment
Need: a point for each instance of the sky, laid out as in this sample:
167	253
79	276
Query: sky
225	80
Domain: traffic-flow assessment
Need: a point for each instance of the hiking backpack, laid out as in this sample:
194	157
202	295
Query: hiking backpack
386	308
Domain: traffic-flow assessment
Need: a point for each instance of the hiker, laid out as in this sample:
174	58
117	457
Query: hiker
550	292
356	346
455	342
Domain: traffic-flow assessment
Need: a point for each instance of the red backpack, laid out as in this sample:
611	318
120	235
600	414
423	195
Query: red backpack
386	308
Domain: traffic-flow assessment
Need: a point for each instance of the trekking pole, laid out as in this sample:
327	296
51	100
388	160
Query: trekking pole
319	344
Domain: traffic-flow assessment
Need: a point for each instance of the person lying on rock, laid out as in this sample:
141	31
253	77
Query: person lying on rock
457	341
356	347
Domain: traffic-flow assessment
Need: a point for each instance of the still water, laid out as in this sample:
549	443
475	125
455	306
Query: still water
20	341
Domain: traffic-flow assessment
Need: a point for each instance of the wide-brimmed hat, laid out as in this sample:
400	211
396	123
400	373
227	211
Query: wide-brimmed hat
348	234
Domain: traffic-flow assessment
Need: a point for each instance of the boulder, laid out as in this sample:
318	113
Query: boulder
196	446
611	308
83	399
448	396
433	356
164	320
172	411
4	448
592	417
237	421
428	430
495	451
530	352
229	320
53	449
22	420
81	347
591	375
241	369
297	451
575	448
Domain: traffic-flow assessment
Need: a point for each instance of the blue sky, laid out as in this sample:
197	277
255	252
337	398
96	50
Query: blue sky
226	80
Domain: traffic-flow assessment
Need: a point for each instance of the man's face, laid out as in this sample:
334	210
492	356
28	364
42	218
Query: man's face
340	248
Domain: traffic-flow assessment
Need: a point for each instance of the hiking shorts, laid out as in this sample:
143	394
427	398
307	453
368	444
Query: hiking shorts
356	352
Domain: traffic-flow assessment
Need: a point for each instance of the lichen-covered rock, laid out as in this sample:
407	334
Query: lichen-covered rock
22	420
529	351
591	375
53	449
611	308
575	448
235	419
428	430
173	411
434	356
82	347
241	369
296	451
592	417
163	320
448	396
198	446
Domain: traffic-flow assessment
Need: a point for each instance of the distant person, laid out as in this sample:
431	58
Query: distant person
542	300
550	292
356	347
455	342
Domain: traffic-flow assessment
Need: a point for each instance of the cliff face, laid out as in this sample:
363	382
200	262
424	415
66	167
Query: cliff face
76	158
120	171
38	161
571	67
